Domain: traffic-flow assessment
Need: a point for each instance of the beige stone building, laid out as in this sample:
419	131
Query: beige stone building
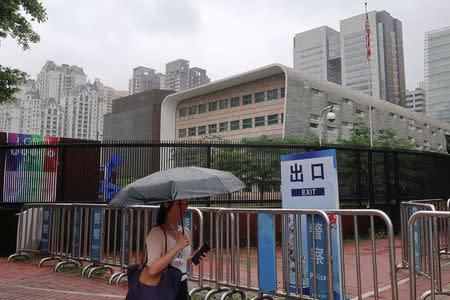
278	101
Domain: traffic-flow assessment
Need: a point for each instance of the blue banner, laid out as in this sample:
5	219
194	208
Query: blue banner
320	256
127	235
77	232
45	236
266	253
96	238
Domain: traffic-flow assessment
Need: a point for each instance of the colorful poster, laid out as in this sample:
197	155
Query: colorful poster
30	174
309	181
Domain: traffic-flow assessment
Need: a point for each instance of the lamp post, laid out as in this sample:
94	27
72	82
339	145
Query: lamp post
330	117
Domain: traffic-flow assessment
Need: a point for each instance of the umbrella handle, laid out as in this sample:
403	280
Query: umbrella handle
181	216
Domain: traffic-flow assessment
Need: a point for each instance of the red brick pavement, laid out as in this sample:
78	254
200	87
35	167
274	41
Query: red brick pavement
22	280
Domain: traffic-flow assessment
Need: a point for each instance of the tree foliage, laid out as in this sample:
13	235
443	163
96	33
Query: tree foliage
15	21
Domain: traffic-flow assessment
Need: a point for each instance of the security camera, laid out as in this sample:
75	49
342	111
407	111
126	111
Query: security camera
331	116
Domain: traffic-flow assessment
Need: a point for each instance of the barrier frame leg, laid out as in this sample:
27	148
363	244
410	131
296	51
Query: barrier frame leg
66	262
15	255
111	271
48	259
232	292
215	291
199	289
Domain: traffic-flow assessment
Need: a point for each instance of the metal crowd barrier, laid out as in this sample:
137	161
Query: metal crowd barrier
443	227
375	270
428	217
228	252
407	209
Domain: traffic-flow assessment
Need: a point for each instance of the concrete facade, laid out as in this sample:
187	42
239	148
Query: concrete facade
135	117
304	98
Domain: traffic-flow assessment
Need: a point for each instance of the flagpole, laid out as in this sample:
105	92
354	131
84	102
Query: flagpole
370	76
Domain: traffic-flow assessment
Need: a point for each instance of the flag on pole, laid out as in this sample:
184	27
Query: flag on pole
367	36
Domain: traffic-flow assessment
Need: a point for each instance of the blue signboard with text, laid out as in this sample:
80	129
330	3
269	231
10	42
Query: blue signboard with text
96	238
309	181
45	236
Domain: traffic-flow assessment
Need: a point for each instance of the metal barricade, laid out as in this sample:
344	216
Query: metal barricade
443	227
207	273
429	218
228	252
371	213
407	209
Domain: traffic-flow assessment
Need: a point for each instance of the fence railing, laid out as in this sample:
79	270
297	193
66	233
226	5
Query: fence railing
94	172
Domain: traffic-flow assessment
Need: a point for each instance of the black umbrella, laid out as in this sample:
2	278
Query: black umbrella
176	184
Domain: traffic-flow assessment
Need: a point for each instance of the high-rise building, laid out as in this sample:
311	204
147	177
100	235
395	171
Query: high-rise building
316	53
415	99
76	112
56	81
437	73
144	79
197	77
177	75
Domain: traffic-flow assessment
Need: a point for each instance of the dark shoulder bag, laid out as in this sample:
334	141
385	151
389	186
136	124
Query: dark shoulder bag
141	285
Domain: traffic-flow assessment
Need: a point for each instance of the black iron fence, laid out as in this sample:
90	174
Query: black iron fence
94	172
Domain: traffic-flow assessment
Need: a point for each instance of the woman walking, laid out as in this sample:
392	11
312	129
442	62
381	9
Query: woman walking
168	244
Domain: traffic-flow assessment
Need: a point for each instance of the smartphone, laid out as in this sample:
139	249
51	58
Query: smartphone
196	258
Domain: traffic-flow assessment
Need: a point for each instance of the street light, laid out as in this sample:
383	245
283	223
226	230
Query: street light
331	116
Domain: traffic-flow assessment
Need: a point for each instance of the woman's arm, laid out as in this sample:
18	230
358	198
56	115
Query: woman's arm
158	265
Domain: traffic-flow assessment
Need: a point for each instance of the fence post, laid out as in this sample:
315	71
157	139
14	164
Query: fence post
371	179
387	183
396	184
358	177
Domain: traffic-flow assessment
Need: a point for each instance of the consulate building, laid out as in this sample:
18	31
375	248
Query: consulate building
278	101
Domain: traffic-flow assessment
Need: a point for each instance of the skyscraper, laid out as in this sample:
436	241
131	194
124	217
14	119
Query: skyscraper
143	79
415	99
316	53
437	73
197	77
177	75
56	81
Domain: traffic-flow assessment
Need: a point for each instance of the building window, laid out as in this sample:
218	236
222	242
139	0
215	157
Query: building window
192	131
359	112
313	125
259	121
234	125
212	128
183	112
223	104
182	132
201	108
259	97
346	100
316	91
234	102
192	110
246	99
329	128
282	118
212	106
282	92
272	94
247	123
223	126
272	119
313	117
201	130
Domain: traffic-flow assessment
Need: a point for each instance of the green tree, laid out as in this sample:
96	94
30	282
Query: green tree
15	21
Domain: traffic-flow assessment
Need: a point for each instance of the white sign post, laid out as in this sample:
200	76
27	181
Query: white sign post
309	180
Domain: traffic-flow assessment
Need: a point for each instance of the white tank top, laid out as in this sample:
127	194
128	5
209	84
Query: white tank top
180	259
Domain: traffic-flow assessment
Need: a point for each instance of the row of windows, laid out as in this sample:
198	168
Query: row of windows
232	125
233	102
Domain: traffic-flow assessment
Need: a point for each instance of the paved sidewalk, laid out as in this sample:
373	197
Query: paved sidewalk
22	280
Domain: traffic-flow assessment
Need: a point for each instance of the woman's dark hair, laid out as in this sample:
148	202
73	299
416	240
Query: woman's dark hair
162	213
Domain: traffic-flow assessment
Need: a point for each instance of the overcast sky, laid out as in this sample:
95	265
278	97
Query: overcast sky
108	38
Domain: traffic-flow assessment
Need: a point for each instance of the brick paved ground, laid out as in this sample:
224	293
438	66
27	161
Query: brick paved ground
22	280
